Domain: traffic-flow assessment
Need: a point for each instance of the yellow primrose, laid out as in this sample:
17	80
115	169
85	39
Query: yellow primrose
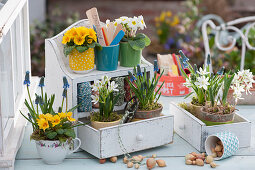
66	39
92	34
48	116
82	31
78	40
55	120
62	115
41	116
43	124
69	116
72	32
162	16
156	19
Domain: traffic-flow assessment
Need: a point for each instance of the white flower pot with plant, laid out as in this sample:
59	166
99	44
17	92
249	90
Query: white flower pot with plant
53	132
105	117
132	44
144	90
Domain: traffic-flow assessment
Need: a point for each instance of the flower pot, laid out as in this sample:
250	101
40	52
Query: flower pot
216	119
248	99
196	110
128	56
107	58
147	114
98	125
54	152
82	62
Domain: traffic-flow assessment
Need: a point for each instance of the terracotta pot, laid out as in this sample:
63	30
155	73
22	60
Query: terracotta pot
196	110
216	119
98	125
147	114
248	99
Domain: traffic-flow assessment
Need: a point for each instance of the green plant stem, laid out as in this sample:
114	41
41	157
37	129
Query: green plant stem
42	92
37	109
66	102
30	99
62	103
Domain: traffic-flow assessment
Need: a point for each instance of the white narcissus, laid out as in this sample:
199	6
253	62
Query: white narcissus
202	82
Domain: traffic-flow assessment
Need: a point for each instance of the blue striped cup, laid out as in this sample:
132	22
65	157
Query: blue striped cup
229	140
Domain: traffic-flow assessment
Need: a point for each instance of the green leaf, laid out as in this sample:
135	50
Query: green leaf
51	135
137	44
70	133
62	139
98	46
66	125
81	49
92	45
139	36
147	41
60	131
68	50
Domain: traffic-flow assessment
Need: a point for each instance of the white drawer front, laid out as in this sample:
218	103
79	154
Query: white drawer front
137	136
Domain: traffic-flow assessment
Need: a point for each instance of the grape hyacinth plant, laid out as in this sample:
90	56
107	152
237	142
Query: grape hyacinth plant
144	88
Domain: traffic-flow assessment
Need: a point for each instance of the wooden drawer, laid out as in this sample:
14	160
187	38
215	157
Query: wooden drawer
136	136
195	132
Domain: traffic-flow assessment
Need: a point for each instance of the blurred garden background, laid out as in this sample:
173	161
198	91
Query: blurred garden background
171	25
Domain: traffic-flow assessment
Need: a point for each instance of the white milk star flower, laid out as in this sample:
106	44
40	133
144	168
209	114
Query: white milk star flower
96	86
95	99
202	72
188	83
112	86
202	82
105	80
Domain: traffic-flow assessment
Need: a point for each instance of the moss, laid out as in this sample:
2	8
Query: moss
194	101
152	106
97	117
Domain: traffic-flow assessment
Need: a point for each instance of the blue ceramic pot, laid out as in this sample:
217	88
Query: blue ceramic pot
107	58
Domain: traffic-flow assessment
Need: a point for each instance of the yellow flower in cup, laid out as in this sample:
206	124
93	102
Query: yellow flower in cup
175	21
55	120
78	40
82	31
41	116
69	116
62	115
66	39
43	124
92	34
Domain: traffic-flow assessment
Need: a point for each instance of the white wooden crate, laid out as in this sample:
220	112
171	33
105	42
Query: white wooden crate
57	66
136	136
195	132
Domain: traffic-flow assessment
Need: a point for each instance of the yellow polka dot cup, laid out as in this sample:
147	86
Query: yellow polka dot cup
82	62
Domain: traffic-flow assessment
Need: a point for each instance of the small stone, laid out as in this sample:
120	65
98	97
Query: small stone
218	148
199	162
188	162
214	154
113	159
102	161
190	157
193	162
130	164
209	159
219	143
203	154
137	166
154	156
161	163
219	154
213	164
125	160
141	157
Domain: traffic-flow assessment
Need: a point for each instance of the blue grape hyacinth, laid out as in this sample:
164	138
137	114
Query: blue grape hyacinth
41	83
156	65
65	82
27	79
139	72
132	77
220	72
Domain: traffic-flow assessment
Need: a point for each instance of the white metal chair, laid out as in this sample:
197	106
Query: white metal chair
231	37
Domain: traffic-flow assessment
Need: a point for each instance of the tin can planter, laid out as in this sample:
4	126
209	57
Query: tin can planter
107	58
54	152
147	114
215	119
82	62
99	125
128	56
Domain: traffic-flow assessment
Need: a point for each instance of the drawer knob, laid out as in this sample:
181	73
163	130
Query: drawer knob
139	137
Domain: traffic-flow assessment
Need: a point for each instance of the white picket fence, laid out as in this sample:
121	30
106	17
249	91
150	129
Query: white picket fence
14	62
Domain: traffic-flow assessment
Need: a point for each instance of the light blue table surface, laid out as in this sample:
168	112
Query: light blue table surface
28	159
